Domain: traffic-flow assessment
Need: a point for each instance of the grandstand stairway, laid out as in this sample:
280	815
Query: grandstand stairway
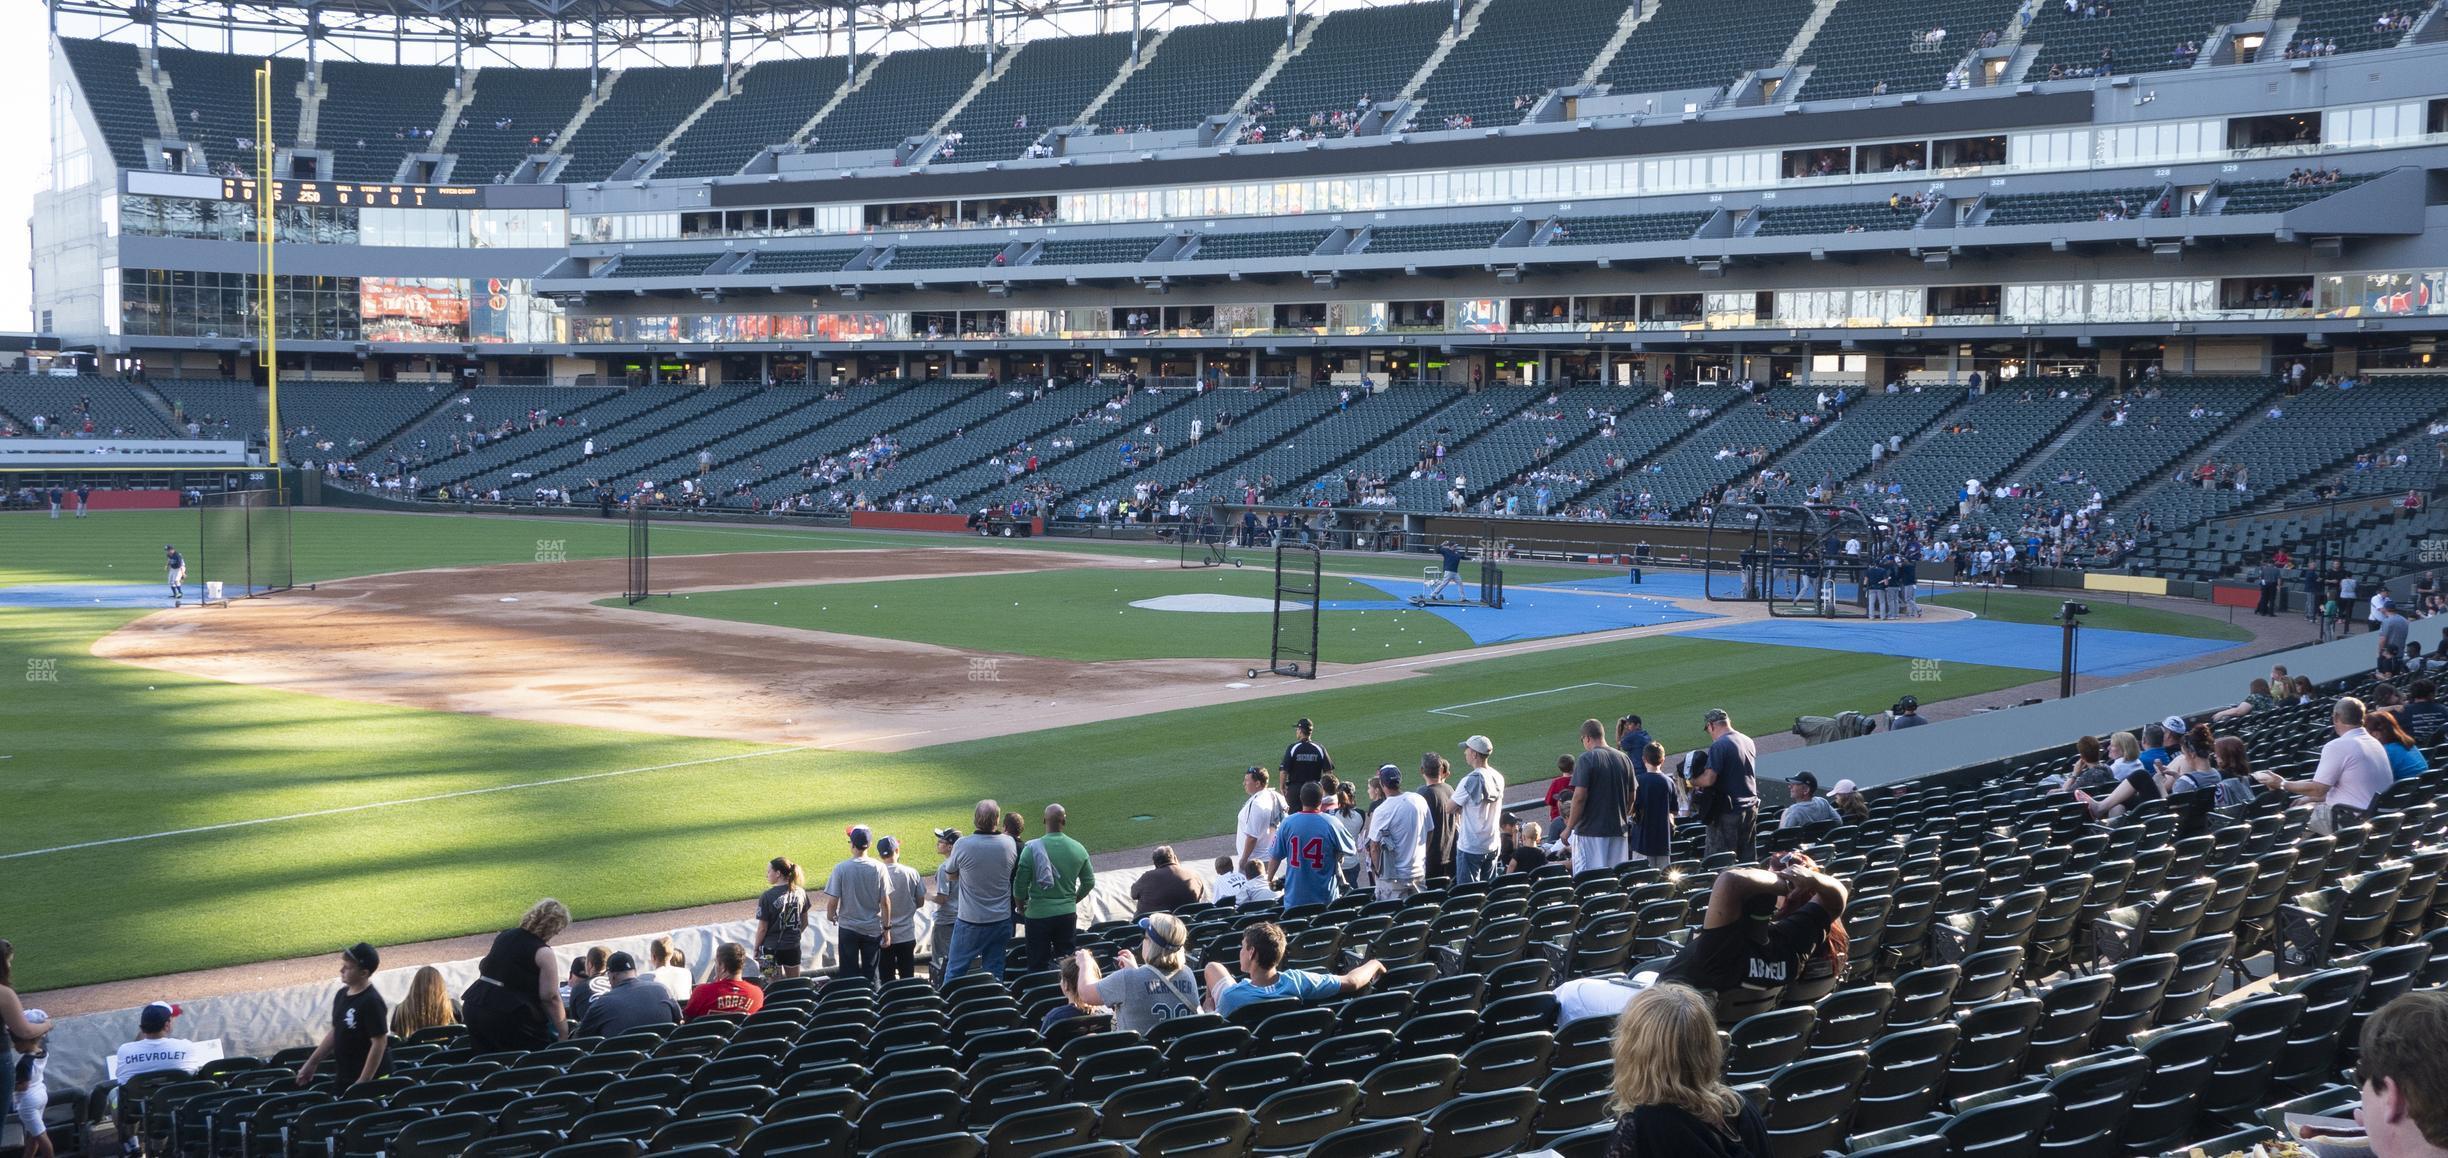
1393	434
604	418
961	470
1492	460
866	73
1436	57
1173	421
1839	452
1279	425
1149	46
1634	16
1304	32
618	442
1645	431
993	72
1069	471
1821	12
671	453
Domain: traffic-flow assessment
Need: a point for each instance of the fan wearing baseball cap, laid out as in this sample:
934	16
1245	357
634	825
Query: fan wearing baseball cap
1478	840
1398	835
360	1030
855	903
634	1001
154	1049
1808	806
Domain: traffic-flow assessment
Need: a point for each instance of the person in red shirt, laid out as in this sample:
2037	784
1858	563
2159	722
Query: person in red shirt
726	995
1559	790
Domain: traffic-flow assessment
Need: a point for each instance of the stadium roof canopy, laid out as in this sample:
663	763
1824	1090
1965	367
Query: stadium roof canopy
512	30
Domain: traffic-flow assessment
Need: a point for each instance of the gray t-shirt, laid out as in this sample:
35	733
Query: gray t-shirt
858	883
1815	810
1608	777
1400	828
907	891
2393	632
981	870
1142	998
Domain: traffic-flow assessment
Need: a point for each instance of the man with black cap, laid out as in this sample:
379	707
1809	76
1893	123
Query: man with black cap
1808	806
1305	762
855	903
360	1023
1762	925
1907	714
633	1002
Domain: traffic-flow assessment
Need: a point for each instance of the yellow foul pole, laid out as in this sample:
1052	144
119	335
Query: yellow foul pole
267	303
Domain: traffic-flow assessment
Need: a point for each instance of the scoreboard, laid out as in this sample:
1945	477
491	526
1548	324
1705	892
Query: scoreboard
356	193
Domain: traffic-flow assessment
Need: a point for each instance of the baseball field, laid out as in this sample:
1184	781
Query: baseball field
461	717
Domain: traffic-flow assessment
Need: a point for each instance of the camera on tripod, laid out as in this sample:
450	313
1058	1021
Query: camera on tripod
2071	609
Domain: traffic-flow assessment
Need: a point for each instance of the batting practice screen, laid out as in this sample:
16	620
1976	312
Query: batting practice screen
243	542
1299	571
1206	543
641	554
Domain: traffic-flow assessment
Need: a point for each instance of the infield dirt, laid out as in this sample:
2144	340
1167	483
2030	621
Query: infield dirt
527	641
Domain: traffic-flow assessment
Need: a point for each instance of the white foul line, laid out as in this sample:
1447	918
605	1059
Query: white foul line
345	809
1448	710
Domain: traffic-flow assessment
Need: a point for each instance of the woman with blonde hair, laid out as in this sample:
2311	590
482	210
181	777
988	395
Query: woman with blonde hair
1670	1095
2135	782
428	1004
670	965
1145	996
515	1002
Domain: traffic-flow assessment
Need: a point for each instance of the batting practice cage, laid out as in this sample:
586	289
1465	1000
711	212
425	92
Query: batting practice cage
1299	574
641	553
243	542
1793	557
1206	543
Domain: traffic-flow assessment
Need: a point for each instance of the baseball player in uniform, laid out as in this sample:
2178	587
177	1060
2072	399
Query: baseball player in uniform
178	572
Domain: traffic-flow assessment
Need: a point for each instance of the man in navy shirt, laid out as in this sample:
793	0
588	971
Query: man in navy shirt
1733	761
1631	737
1451	557
1312	847
178	572
1653	805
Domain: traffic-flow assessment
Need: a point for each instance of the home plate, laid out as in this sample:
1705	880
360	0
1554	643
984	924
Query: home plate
1231	686
1211	602
509	598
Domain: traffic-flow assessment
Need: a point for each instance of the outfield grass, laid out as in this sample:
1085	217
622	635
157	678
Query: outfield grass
1081	614
125	546
103	752
2009	607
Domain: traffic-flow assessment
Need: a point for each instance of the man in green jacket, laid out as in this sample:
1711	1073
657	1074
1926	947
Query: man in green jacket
1050	879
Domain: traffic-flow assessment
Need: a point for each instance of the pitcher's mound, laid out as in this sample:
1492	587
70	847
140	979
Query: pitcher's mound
1204	602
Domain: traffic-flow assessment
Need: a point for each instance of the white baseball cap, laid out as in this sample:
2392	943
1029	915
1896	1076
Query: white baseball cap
1479	744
